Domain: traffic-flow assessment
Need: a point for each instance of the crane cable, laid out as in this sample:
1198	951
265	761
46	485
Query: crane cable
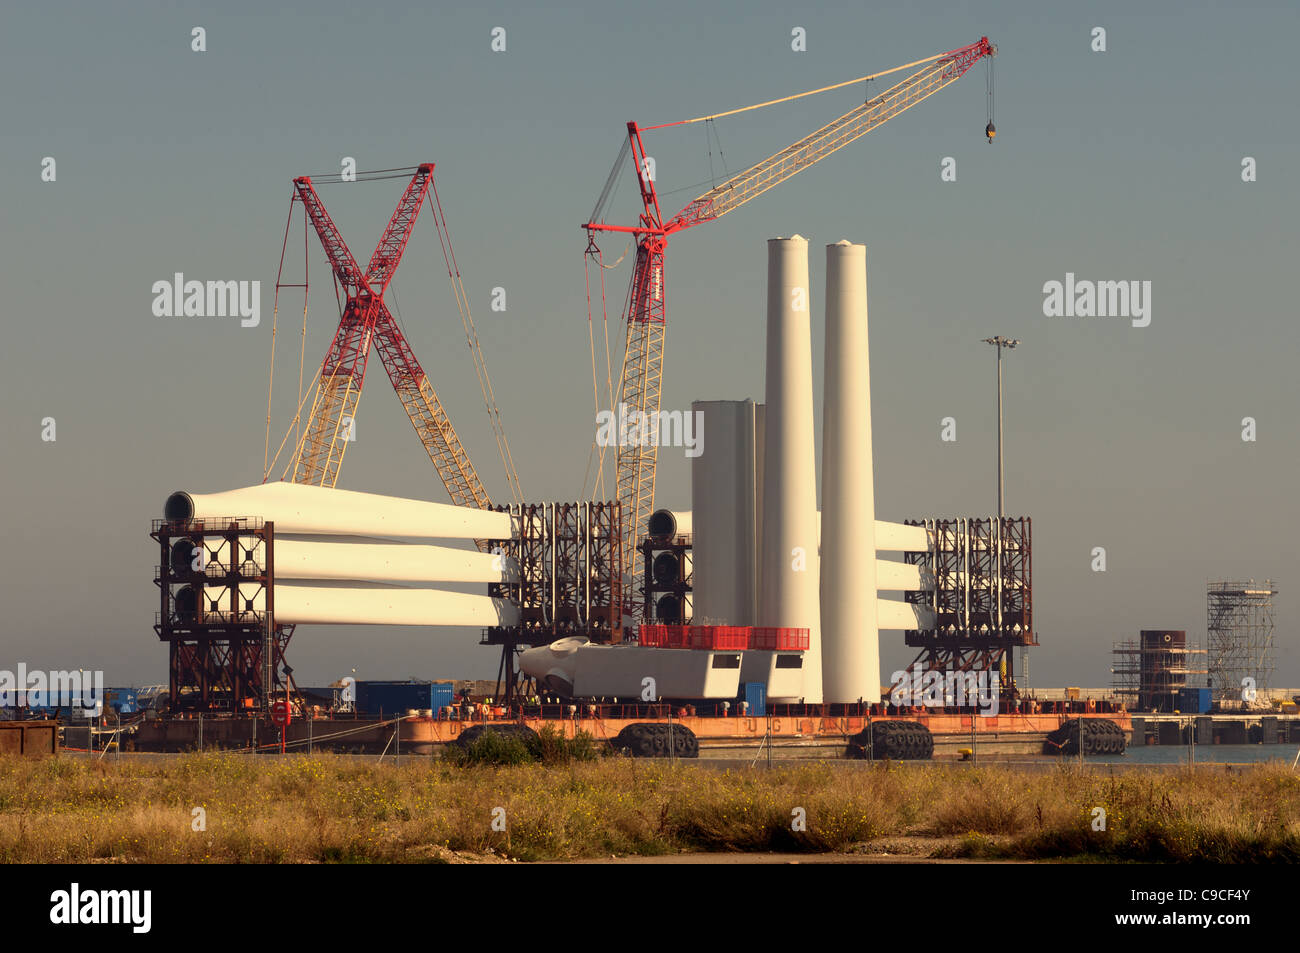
302	350
300	439
471	334
595	391
988	86
711	126
627	248
267	462
294	423
275	313
786	99
594	253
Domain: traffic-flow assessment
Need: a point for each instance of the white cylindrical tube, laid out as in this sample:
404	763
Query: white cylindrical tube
388	562
789	576
892	575
669	523
323	603
850	636
671	610
395	605
295	508
899	537
892	614
725	495
668	568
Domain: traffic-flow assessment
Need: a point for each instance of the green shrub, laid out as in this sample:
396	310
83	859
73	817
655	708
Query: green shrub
549	746
552	747
490	748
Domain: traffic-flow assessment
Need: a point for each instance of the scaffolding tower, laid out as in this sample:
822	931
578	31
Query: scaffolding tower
1239	627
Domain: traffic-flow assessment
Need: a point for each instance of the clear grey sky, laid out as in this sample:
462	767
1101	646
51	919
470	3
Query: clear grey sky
1117	165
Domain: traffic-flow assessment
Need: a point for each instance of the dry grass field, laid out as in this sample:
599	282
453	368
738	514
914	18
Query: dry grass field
340	809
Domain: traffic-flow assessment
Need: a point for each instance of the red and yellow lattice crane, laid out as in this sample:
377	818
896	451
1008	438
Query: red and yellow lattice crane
642	375
365	320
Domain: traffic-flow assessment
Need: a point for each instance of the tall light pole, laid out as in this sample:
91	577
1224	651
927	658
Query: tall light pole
1000	342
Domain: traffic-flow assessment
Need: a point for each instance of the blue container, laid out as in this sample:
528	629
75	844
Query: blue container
756	697
442	696
397	698
1194	701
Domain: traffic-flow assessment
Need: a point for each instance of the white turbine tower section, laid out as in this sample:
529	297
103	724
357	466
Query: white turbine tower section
297	508
725	492
850	635
789	575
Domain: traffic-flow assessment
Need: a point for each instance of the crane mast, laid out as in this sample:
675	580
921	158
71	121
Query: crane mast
642	373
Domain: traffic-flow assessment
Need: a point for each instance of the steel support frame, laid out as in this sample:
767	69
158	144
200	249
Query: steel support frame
569	580
228	650
982	597
651	548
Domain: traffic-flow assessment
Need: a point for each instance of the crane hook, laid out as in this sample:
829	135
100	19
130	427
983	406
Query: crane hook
990	132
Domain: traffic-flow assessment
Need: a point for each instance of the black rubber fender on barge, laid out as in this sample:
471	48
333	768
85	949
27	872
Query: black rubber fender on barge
1101	736
892	741
657	740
